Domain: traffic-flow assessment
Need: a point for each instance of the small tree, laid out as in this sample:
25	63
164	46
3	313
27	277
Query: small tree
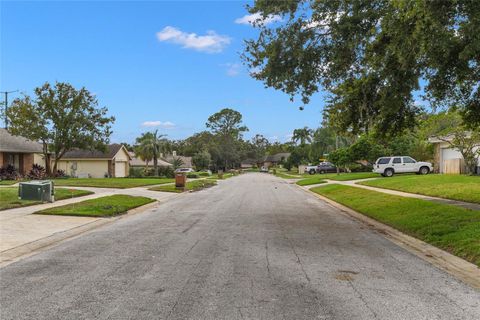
201	160
150	145
177	162
61	118
341	157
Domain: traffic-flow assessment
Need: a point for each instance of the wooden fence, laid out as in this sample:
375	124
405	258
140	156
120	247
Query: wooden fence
454	166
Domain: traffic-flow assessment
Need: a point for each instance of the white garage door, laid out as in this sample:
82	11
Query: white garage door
120	169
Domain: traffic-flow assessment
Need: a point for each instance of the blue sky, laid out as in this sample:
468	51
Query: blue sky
165	64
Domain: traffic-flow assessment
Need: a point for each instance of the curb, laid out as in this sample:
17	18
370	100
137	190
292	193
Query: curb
14	254
461	269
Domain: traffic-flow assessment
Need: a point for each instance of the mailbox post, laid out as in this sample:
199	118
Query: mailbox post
180	180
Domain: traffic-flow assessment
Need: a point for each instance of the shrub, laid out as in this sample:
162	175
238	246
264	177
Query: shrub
9	173
166	172
37	172
136	172
204	174
60	174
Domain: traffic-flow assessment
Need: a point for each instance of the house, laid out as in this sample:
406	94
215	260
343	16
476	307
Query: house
136	162
19	152
274	159
248	163
448	159
113	162
186	162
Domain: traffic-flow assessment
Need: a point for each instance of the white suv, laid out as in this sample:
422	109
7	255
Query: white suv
388	166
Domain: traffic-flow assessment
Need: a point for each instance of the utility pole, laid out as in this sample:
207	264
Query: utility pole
6	105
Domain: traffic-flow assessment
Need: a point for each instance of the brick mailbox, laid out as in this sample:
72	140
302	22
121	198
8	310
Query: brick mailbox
180	180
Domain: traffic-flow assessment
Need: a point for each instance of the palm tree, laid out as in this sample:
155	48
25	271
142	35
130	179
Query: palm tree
150	145
303	135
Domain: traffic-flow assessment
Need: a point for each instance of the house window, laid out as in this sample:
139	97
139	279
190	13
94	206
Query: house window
13	159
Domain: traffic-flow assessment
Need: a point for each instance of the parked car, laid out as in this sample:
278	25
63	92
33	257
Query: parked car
323	167
310	169
388	166
263	169
184	170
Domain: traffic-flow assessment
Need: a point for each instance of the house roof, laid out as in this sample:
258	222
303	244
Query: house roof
446	138
137	162
109	153
249	161
11	143
187	161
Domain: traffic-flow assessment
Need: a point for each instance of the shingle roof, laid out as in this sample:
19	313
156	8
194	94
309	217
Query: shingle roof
11	143
110	152
187	161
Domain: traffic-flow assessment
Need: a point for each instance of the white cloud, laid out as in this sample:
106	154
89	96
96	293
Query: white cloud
273	138
250	19
165	125
210	43
289	136
232	69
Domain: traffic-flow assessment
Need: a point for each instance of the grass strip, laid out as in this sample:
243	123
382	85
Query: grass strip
310	181
455	187
453	229
195	185
120	183
100	207
9	197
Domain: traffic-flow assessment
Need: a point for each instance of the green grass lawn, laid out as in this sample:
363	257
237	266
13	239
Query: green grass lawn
191	185
457	187
319	178
288	175
350	176
225	176
451	228
7	182
9	197
121	183
313	180
101	207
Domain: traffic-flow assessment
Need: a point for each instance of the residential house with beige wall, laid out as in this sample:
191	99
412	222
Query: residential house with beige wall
114	162
19	152
447	159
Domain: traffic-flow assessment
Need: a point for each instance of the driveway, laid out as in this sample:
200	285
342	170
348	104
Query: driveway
254	247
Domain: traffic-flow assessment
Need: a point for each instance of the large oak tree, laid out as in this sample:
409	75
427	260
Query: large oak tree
61	118
372	55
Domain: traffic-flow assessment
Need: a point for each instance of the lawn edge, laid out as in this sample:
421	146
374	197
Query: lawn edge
92	216
35	204
362	183
463	270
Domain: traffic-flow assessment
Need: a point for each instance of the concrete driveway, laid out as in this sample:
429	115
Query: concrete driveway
253	247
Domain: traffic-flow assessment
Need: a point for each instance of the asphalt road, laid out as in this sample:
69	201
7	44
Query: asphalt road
253	247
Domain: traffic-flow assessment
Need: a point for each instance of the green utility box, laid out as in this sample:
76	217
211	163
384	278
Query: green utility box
41	190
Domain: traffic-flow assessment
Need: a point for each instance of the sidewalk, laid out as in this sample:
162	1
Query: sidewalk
22	232
353	183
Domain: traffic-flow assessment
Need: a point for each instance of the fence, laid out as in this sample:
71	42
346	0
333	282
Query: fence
454	166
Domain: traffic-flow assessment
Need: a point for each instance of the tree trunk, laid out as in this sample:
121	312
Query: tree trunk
155	165
46	155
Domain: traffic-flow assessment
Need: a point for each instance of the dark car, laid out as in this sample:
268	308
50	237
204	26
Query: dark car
325	167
